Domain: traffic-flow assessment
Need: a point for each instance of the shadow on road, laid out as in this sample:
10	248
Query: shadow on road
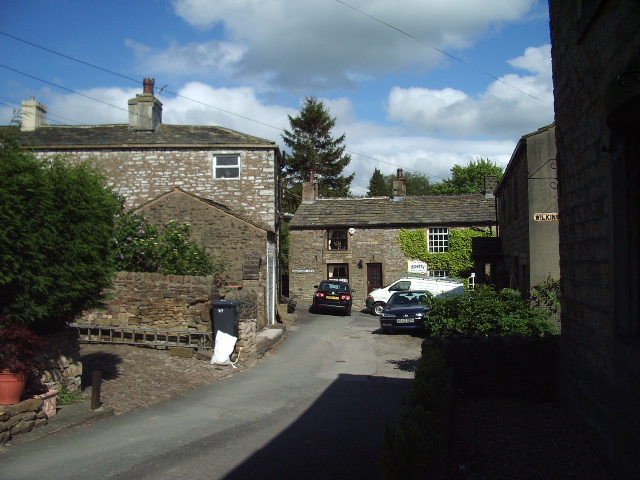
339	436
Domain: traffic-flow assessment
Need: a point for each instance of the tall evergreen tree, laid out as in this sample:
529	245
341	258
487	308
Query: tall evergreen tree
378	187
313	148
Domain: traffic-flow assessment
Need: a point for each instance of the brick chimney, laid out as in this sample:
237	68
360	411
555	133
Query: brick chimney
145	111
310	189
34	115
490	185
399	186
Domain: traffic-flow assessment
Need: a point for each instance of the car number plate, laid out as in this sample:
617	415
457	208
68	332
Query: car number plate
331	297
404	320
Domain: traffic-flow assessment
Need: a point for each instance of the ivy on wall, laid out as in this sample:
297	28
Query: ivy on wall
456	261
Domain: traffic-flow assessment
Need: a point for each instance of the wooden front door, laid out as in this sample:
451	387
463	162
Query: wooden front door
374	276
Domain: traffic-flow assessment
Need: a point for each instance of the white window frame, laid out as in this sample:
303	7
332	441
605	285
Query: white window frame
438	239
217	167
438	273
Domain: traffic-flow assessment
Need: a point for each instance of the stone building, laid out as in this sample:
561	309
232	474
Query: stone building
357	239
527	206
596	74
237	174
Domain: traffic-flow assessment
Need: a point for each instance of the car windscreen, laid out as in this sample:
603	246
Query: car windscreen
407	298
333	286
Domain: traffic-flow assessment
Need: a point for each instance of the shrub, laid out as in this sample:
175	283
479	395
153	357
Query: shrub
57	226
139	246
547	295
417	446
484	311
19	348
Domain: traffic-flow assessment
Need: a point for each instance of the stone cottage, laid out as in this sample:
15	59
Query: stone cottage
596	76
527	206
357	239
215	169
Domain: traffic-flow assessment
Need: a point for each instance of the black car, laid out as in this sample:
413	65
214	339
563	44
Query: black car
333	295
405	311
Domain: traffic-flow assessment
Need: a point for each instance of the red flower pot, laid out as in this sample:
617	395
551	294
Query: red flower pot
11	387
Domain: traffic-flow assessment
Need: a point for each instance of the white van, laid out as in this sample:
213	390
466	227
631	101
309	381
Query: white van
377	299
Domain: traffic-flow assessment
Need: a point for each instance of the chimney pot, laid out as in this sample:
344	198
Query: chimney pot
399	186
147	85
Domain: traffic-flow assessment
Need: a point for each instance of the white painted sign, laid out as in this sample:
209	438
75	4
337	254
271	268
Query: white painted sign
546	217
303	271
417	266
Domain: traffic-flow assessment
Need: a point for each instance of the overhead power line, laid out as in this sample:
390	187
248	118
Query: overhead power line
439	50
137	81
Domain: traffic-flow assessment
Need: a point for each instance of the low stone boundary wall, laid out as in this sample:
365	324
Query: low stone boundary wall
512	365
20	418
61	361
170	302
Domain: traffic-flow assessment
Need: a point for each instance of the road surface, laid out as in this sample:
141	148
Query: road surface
315	409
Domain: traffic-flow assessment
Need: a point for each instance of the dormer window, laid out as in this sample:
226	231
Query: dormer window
337	239
226	166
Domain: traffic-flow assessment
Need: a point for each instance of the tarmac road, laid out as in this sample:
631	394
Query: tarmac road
315	409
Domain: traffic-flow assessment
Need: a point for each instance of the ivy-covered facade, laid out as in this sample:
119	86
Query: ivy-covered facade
371	242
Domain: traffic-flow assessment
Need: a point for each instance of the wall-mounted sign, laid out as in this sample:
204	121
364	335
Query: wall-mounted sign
303	271
417	266
546	217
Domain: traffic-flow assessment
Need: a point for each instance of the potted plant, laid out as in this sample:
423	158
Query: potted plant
19	349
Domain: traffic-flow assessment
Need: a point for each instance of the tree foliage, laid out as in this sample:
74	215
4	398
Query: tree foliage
469	179
313	148
378	186
55	240
381	185
139	246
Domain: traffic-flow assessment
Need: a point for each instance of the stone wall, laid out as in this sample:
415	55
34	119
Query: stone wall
173	302
512	365
142	175
595	49
308	259
62	362
20	418
152	300
222	235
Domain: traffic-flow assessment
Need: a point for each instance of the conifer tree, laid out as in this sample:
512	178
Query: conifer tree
378	186
313	148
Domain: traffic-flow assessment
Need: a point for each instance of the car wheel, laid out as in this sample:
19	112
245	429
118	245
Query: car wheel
348	312
378	307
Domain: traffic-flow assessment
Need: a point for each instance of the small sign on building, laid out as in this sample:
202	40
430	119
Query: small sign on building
417	266
546	217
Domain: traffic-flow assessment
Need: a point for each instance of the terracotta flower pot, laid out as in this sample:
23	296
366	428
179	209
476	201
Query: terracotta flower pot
11	387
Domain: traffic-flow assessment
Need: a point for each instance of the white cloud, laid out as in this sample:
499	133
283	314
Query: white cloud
514	104
319	43
212	57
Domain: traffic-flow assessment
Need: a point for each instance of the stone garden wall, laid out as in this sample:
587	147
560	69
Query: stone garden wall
173	302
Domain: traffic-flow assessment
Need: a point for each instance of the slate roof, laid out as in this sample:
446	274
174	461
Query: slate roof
122	136
445	210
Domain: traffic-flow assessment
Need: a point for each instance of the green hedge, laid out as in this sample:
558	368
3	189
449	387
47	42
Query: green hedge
485	311
418	445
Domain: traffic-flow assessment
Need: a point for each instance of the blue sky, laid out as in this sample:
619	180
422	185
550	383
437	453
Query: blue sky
246	64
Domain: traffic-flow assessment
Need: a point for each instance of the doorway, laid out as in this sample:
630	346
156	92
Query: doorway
374	276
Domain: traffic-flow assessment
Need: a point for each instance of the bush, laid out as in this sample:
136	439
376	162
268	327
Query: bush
417	446
484	311
138	246
55	240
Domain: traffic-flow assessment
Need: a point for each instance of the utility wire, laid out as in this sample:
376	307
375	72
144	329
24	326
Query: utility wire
126	77
433	47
